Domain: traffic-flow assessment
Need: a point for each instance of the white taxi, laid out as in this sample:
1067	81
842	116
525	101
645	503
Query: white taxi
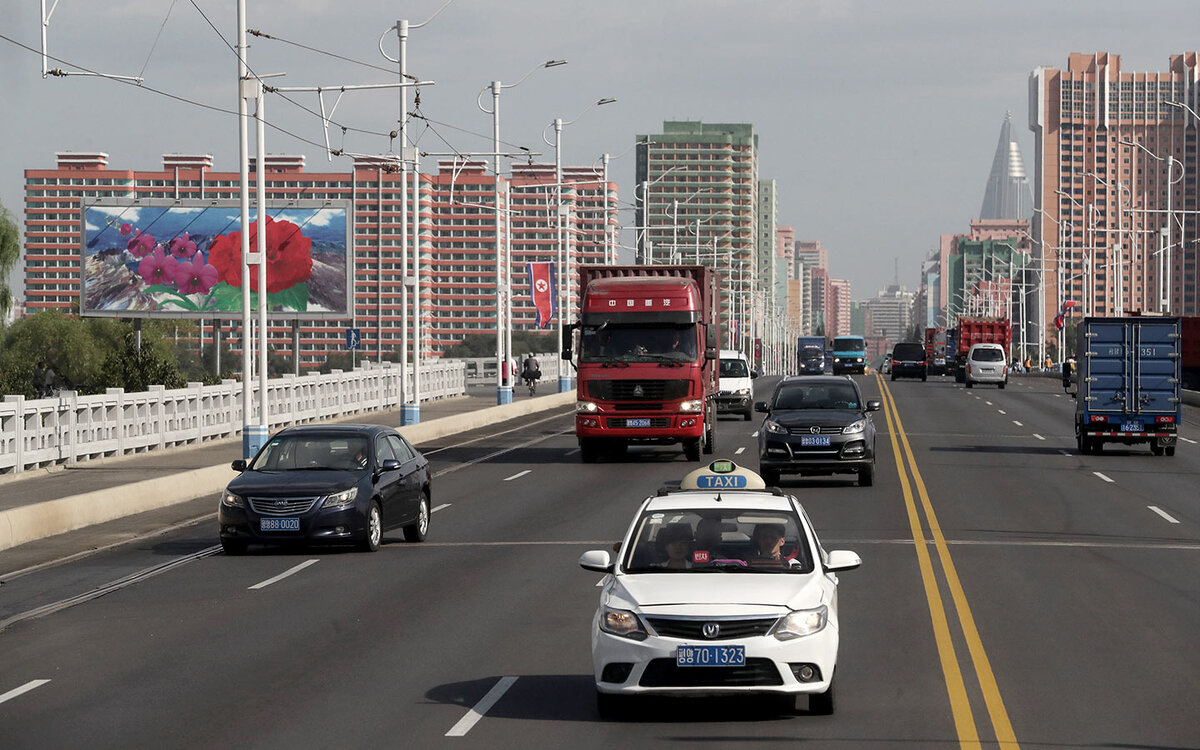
718	588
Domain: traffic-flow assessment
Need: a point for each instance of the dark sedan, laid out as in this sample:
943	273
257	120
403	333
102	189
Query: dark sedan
333	484
817	426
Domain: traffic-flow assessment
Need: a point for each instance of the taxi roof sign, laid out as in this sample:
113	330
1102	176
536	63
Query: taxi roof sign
722	475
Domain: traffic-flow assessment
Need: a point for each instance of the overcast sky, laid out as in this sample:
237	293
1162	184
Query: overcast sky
878	120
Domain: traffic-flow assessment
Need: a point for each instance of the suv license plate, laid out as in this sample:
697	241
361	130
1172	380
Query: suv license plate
814	440
279	524
637	422
1131	427
710	656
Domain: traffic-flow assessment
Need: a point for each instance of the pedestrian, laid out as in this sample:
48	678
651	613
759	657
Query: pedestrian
1048	364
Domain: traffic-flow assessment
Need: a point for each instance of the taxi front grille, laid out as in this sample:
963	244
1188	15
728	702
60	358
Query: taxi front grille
663	673
280	506
669	627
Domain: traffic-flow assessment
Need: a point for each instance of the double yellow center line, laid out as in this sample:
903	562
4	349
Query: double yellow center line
960	703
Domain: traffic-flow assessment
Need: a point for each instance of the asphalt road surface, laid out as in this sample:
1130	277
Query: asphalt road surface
1013	593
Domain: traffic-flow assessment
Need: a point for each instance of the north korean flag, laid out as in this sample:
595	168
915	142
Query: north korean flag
543	291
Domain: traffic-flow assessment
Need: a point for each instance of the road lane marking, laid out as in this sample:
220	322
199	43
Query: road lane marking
518	475
1065	453
492	435
443	506
738	452
754	434
475	714
1162	513
32	684
501	452
571	452
284	574
1110	481
1002	412
1018	424
1001	724
989	403
1039	437
1187	440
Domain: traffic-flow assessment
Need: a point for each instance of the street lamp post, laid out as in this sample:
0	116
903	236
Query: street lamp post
1164	300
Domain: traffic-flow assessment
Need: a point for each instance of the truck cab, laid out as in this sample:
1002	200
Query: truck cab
849	354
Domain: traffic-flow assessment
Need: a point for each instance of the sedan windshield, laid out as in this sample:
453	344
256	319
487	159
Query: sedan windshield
616	344
313	453
820	396
718	541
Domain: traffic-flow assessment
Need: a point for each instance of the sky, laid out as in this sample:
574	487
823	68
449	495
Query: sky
878	119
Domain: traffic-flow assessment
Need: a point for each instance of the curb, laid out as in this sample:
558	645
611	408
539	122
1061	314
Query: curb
40	520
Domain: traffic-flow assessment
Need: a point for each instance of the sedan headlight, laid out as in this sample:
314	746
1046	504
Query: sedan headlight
775	428
340	499
622	622
855	427
802	622
691	407
230	500
586	407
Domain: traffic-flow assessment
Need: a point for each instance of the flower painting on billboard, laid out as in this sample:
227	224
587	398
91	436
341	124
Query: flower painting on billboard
187	260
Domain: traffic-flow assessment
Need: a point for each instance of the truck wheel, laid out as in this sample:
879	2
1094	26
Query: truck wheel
1080	443
710	439
588	450
1170	450
969	383
691	449
770	477
1002	384
1155	448
749	413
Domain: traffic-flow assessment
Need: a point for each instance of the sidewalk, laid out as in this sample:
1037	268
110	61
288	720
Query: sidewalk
191	474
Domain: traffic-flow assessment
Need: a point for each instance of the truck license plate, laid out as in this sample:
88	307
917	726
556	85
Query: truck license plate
637	422
814	440
279	524
1131	427
710	656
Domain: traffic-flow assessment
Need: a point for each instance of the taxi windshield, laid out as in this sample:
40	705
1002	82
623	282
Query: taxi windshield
718	541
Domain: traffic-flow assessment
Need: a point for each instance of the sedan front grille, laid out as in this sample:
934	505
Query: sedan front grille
669	627
663	673
824	430
282	506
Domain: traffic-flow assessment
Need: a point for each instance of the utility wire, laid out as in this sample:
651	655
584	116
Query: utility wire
157	36
264	35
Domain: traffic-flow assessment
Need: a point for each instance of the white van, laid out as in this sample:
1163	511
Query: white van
735	393
986	363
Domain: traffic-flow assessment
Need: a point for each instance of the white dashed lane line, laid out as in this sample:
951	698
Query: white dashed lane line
1039	437
1188	440
518	475
15	692
284	574
1018	424
443	506
739	451
1002	412
1162	513
1110	481
475	714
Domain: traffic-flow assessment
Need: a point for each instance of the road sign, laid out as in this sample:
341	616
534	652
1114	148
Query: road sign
353	338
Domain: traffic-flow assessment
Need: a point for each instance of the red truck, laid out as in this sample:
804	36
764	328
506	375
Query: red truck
979	331
649	345
935	351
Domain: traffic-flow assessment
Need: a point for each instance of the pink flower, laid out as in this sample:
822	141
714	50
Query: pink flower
157	268
141	245
126	229
183	248
196	276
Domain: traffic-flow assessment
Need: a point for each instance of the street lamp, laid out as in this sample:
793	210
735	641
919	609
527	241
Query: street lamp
1164	300
676	203
504	391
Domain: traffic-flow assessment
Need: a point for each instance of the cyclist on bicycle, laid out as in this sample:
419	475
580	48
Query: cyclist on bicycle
531	371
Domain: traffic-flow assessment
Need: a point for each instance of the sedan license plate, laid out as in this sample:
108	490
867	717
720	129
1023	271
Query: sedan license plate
1131	427
279	524
710	656
814	440
637	422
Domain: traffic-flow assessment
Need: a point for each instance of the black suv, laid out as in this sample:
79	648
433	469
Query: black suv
817	425
908	361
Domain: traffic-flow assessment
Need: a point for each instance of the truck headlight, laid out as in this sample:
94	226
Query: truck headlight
691	407
586	407
775	427
340	499
800	623
622	622
855	427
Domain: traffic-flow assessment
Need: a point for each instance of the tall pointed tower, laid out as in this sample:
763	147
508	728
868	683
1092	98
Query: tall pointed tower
1008	194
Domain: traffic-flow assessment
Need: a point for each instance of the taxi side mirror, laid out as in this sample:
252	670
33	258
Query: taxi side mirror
596	560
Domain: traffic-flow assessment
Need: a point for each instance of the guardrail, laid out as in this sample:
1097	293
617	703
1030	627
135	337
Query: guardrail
482	370
36	433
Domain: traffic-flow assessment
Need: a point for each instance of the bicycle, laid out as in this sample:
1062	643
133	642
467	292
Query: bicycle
532	383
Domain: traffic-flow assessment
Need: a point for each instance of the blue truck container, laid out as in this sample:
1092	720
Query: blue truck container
849	354
810	351
1128	383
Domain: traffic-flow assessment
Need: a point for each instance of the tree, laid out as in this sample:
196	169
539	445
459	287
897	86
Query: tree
137	368
10	253
51	339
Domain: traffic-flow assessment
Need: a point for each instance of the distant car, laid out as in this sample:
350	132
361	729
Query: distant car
817	426
735	392
812	360
333	484
986	363
908	361
718	592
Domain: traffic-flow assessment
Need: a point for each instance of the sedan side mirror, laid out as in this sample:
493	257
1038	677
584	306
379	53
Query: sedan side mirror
389	464
238	465
596	560
874	405
761	407
841	559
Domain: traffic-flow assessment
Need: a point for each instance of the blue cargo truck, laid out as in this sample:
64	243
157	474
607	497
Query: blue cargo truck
1128	383
810	353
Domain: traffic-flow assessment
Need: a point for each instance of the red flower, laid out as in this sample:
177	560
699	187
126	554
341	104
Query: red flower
289	256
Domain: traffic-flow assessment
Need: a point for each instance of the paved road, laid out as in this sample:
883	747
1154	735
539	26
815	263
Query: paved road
1045	605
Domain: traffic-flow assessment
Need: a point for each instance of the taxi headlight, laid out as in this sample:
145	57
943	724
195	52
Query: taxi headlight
340	499
586	407
775	427
230	500
802	622
691	406
855	427
622	622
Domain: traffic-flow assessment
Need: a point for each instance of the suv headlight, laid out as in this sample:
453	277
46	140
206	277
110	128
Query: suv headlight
586	407
230	500
691	407
340	499
775	427
800	623
855	427
622	622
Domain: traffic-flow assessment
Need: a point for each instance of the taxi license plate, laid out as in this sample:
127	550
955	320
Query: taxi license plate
279	524
814	440
637	422
710	656
1131	427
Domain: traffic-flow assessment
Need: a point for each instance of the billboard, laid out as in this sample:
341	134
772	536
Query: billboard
176	259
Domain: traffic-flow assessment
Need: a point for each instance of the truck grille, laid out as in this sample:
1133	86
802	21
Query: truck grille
280	506
620	424
669	627
664	674
638	390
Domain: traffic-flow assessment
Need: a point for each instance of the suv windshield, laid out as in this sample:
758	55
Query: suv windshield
817	396
313	453
649	343
987	354
718	541
734	368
